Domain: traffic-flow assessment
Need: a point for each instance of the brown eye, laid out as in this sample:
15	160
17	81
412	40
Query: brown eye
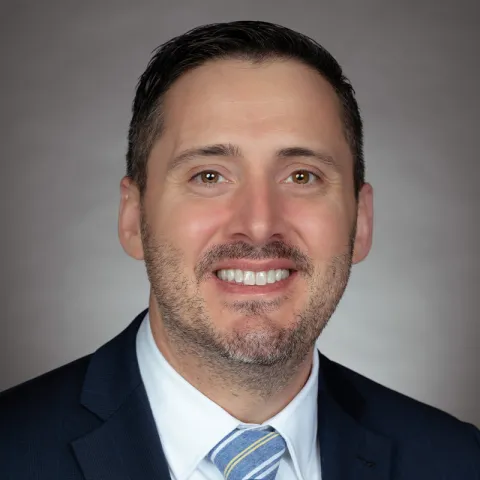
302	177
209	177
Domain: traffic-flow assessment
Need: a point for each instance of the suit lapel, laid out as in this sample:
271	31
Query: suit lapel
348	450
126	446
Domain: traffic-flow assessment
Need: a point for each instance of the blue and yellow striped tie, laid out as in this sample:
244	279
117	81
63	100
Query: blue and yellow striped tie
247	454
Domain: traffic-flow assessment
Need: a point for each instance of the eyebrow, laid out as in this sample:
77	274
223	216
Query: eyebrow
322	157
229	150
216	150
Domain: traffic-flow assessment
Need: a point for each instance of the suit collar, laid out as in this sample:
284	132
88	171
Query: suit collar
127	445
348	449
113	373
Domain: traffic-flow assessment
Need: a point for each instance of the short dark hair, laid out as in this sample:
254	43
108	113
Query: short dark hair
247	40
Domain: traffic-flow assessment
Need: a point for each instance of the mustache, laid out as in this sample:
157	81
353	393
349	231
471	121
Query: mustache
245	251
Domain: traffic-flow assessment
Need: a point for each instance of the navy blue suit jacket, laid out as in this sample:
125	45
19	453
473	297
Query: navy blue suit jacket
91	420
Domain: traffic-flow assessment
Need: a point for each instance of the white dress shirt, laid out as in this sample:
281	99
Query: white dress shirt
190	424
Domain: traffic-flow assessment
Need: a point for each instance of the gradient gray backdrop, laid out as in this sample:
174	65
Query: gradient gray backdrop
68	70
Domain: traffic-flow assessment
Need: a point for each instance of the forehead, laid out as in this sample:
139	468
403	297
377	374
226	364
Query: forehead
253	105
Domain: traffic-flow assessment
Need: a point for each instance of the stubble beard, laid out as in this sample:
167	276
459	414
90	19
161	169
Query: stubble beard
260	356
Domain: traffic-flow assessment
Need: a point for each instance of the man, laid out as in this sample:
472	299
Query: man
245	196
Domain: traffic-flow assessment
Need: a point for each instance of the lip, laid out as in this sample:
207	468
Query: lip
255	265
260	290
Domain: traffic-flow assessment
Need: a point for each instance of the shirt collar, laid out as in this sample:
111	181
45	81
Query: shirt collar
190	424
298	421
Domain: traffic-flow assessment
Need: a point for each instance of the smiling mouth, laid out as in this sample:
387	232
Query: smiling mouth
251	278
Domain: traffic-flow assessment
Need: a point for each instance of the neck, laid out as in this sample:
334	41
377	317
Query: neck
250	393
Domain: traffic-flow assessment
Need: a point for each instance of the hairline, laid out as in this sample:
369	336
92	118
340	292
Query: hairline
156	116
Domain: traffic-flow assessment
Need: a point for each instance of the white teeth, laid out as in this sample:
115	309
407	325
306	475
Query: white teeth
238	276
261	278
253	278
249	278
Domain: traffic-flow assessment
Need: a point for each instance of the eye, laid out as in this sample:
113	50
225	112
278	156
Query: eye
208	177
302	177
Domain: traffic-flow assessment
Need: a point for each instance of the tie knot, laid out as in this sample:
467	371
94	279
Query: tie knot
246	454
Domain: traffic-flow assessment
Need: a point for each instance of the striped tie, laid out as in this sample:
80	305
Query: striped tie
247	454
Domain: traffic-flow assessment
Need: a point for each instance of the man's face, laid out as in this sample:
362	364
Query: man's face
251	181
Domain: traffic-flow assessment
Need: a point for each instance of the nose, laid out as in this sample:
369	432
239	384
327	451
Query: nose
257	214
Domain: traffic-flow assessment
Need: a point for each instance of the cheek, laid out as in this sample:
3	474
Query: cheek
191	225
323	228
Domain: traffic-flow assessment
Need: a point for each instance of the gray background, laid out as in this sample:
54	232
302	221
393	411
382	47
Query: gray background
409	319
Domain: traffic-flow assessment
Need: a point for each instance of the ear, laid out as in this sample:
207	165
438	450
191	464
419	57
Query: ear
363	237
129	219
